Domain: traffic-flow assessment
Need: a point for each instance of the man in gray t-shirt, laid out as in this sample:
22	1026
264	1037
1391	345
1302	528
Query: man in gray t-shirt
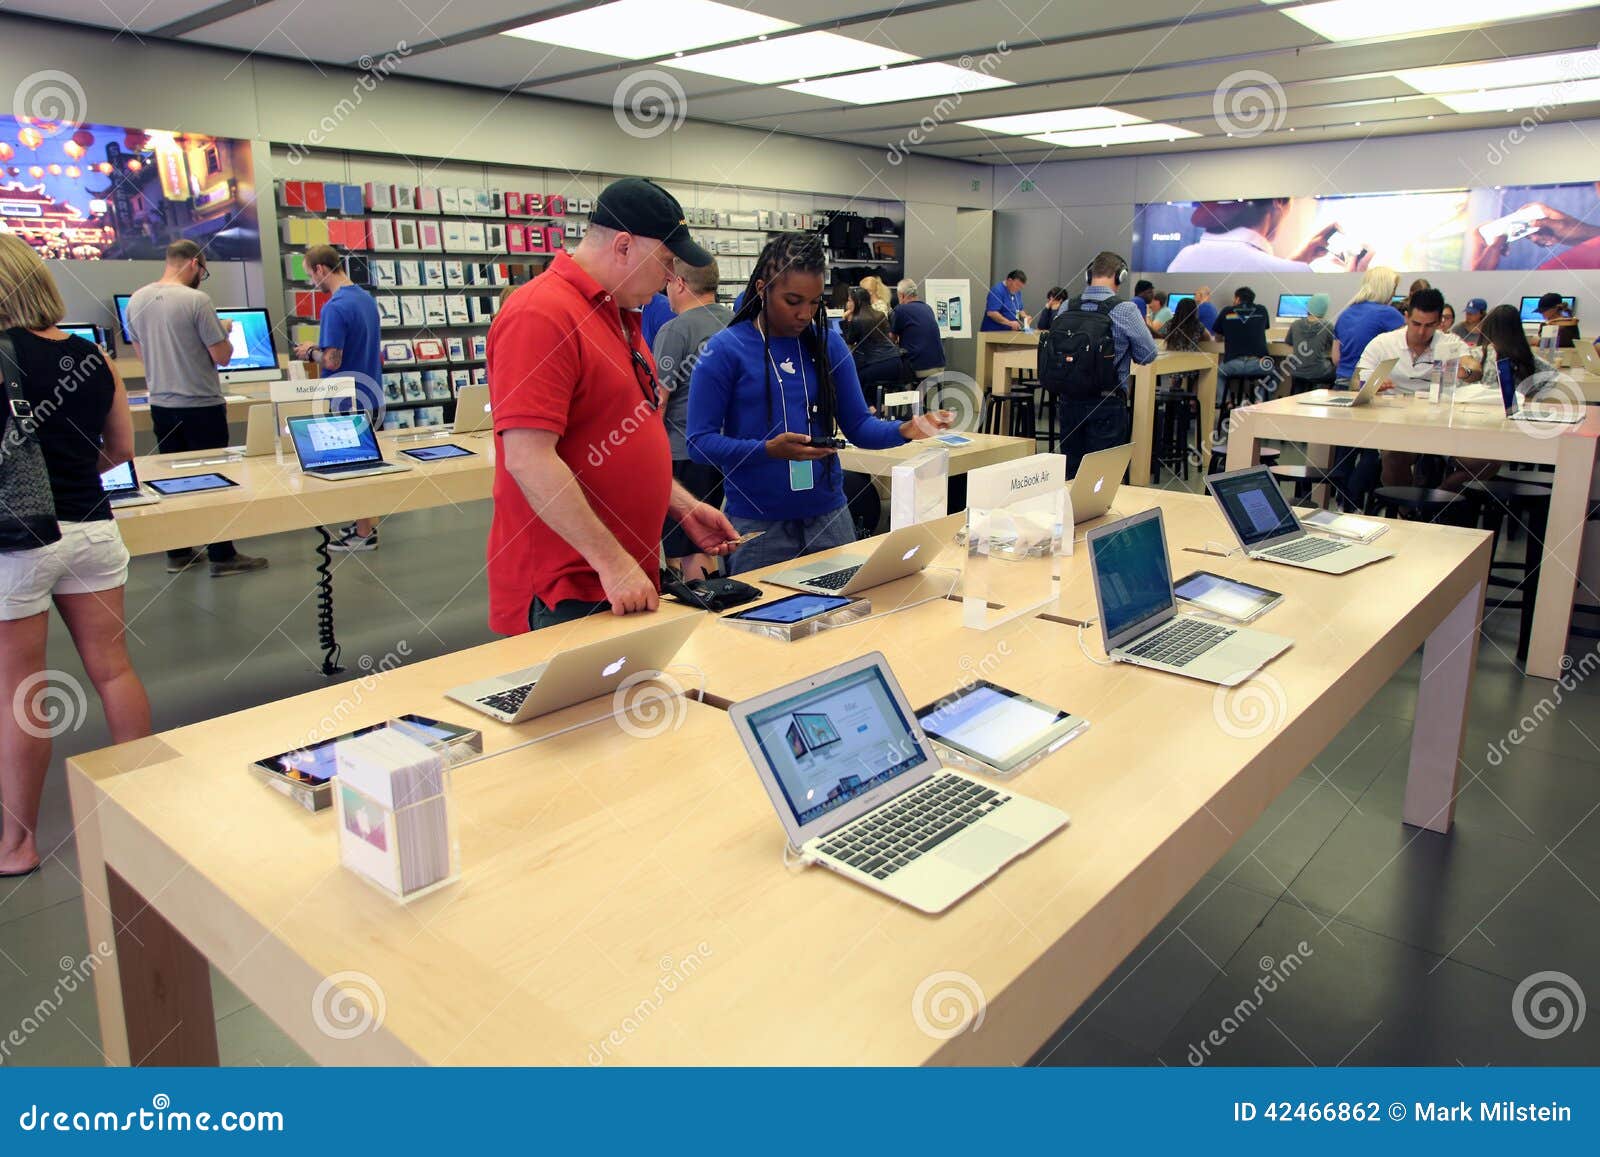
692	293
182	341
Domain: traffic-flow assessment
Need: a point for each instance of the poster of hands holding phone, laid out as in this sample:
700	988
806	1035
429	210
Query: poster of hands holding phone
1513	227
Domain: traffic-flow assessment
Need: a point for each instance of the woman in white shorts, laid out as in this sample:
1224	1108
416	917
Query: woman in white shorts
83	427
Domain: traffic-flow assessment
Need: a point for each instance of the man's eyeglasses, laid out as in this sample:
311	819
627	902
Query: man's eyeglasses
204	271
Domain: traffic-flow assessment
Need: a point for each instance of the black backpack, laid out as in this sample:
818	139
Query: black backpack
1077	354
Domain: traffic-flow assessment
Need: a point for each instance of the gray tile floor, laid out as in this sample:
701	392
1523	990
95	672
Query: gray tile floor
1414	944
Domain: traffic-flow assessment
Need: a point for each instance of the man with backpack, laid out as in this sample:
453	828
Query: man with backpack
1084	359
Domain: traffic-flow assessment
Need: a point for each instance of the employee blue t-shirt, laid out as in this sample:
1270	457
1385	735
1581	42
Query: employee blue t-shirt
738	400
655	314
1358	325
918	330
1004	302
1207	313
349	324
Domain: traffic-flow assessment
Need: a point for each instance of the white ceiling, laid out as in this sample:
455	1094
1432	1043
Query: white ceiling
1163	60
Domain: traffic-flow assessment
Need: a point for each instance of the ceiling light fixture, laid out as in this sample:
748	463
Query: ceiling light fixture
1115	135
1060	121
788	58
1359	19
640	29
901	83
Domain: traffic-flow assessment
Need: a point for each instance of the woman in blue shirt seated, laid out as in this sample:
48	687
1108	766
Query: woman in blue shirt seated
763	388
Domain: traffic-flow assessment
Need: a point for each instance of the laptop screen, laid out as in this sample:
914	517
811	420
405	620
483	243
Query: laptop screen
118	479
837	741
334	440
1252	502
1131	573
251	338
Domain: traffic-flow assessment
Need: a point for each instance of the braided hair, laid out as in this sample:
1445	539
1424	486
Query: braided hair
793	253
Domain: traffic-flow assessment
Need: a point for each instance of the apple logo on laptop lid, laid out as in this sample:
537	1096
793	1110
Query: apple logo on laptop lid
1098	483
611	669
906	557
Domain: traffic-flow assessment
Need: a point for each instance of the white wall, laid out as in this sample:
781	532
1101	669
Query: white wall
1079	207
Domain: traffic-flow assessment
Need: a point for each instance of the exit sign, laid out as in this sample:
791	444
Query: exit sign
1025	186
976	184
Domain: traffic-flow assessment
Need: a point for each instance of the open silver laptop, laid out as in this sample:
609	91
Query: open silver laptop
338	446
122	488
1139	619
472	411
902	552
581	673
1369	389
859	789
1094	486
1267	528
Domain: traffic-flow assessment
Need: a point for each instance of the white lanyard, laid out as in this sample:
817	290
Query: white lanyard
783	395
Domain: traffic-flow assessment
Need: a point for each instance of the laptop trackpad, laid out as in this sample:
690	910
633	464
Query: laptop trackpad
981	850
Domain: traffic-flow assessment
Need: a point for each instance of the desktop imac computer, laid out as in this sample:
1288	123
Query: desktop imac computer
1293	305
1530	308
255	359
119	302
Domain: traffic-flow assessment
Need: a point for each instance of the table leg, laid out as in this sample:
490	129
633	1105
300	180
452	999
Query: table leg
1448	659
1321	457
165	982
1207	389
1563	555
1242	448
98	917
1143	381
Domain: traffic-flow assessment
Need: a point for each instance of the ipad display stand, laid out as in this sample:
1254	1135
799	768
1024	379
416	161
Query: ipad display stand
1019	525
853	611
950	757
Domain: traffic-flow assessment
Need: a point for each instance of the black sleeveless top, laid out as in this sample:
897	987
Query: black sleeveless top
70	386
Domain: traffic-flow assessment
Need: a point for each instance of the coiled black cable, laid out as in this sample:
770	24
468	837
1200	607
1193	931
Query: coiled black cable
325	637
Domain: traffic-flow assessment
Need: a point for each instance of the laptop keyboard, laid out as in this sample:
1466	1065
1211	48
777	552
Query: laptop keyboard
888	838
345	467
1305	549
833	580
510	700
1182	643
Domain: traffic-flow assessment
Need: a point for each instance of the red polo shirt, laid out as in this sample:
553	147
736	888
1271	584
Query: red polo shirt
559	360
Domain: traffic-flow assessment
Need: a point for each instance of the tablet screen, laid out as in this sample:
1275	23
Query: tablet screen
436	453
1224	596
794	609
997	726
194	485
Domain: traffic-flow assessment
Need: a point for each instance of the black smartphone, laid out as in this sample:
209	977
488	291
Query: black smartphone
827	443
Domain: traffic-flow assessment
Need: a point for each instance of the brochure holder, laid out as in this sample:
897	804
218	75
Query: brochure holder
324	390
854	611
1019	525
392	805
919	489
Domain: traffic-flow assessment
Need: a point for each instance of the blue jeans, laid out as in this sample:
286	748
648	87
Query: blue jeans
788	539
1260	368
566	611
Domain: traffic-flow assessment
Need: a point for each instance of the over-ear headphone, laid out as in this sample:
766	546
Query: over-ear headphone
1121	276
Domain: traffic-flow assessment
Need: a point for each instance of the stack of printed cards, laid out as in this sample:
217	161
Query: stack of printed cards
394	815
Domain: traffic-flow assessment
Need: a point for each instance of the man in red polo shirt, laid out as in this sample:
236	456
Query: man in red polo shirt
583	476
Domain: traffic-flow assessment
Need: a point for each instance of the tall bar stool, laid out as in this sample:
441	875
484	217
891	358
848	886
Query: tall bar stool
1507	506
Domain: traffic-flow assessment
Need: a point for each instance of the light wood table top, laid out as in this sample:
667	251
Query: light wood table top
622	898
1466	431
272	496
983	450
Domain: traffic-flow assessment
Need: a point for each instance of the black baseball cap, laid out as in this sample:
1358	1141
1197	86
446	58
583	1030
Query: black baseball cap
1550	301
642	207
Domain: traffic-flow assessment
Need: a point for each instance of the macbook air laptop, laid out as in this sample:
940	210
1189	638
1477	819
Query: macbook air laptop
859	789
1139	619
1369	389
1094	486
1268	530
258	437
581	673
121	484
339	446
472	411
902	552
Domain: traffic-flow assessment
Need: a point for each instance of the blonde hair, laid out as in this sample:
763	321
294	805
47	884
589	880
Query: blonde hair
1377	284
29	298
878	291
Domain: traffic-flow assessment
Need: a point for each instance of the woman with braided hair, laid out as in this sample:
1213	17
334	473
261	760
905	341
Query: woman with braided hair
764	388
